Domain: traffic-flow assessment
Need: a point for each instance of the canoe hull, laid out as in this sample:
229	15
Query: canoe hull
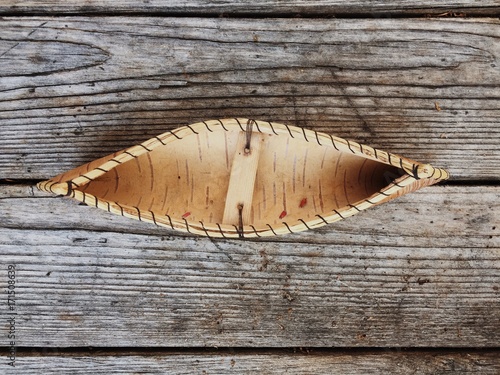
200	179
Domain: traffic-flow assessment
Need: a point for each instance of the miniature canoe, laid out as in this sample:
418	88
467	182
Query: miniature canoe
243	178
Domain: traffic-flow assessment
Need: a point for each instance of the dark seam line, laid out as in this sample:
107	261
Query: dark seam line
272	127
144	147
255	230
121	208
210	130
70	188
109	206
116	161
161	141
375	151
138	213
333	143
303	222
102	170
272	230
433	171
96	202
241	127
170	221
220	230
322	218
289	131
195	132
205	229
175	135
338	213
317	139
52	184
304	132
415	172
87	177
187	225
153	217
257	125
84	197
286	225
383	193
222	124
369	201
240	234
355	208
128	153
401	164
349	145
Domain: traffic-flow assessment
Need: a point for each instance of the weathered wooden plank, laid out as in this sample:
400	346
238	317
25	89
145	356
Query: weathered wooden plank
74	89
422	271
257	7
224	362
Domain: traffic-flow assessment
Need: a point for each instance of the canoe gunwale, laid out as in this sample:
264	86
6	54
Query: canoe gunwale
416	176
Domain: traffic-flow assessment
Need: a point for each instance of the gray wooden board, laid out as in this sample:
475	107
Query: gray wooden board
51	361
422	271
76	88
254	7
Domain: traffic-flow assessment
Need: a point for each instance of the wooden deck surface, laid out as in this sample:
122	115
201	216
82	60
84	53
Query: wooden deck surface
408	287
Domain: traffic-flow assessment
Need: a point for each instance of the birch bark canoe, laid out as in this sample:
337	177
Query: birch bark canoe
256	7
305	361
105	281
74	89
241	178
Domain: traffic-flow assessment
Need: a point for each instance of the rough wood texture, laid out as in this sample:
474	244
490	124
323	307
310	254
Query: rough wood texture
224	362
427	276
255	7
74	89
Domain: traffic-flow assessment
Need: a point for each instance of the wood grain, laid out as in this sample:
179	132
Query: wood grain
77	88
422	271
256	7
238	200
305	361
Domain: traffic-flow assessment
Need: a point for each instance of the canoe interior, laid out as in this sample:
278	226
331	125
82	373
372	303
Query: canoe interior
294	179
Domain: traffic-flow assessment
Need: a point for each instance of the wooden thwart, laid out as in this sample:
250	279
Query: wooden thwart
242	180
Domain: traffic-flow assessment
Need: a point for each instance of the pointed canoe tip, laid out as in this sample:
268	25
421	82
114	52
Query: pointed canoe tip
429	171
60	189
49	186
425	171
40	184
